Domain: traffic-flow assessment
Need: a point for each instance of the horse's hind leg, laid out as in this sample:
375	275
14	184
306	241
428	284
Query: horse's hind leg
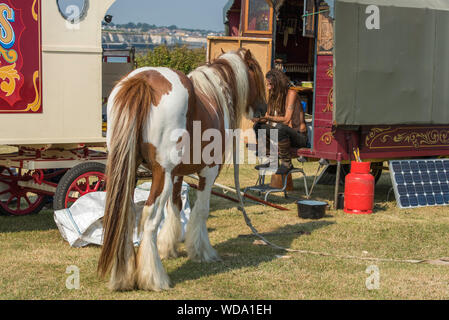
170	234
197	239
151	274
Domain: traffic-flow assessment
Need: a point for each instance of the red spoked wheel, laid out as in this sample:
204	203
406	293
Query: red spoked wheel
77	182
84	184
17	200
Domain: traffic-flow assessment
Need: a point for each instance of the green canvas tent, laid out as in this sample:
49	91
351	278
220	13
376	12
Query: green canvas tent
396	74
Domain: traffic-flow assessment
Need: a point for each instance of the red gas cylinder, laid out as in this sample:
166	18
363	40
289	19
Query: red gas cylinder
359	189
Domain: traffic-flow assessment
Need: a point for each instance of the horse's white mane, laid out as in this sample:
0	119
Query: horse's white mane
209	81
237	63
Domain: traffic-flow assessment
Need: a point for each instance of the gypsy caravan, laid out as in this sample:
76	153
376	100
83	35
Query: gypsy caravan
373	73
50	102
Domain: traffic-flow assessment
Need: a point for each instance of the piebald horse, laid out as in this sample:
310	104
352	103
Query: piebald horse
145	112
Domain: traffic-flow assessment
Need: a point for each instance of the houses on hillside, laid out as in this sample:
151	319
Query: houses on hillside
121	37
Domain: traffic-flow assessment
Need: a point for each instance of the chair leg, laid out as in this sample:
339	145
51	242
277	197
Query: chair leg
267	192
305	184
284	188
266	196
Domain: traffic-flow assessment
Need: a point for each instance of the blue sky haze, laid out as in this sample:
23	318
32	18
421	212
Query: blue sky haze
192	14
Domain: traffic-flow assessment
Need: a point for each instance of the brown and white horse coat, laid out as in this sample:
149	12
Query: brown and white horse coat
150	113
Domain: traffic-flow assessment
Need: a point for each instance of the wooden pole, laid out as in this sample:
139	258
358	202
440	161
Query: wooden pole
241	193
194	186
337	182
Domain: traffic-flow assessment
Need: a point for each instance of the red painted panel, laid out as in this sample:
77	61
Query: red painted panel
324	62
321	100
322	90
323	119
20	57
323	116
324	82
323	94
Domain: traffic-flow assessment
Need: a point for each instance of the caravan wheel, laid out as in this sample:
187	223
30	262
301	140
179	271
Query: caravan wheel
17	200
77	182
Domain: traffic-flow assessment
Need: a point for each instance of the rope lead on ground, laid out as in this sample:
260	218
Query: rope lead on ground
241	207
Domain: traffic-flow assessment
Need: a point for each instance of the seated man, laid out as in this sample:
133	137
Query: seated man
286	115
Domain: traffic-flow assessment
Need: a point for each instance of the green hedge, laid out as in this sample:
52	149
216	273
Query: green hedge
178	58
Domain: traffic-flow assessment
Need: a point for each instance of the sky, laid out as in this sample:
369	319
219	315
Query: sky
192	14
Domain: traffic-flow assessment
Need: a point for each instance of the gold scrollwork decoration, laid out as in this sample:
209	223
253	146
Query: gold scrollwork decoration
36	104
33	10
330	101
374	134
9	73
418	138
327	138
325	36
409	137
330	71
444	136
10	56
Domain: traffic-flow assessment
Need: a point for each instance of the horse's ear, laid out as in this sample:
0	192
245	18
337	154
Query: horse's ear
248	55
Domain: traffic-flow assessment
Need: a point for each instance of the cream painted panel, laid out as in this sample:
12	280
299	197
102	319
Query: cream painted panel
57	35
216	47
71	74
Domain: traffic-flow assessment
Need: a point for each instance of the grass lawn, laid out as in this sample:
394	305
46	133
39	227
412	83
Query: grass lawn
34	257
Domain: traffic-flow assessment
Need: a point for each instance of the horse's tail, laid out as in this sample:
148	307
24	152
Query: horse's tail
130	109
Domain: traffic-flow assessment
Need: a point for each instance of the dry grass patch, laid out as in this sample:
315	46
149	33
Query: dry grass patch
34	258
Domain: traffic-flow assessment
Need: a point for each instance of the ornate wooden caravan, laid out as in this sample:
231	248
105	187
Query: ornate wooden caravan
382	89
49	94
50	102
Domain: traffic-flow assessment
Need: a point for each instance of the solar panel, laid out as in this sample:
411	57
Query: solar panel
420	183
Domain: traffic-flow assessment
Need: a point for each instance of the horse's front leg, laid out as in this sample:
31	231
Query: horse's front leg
197	239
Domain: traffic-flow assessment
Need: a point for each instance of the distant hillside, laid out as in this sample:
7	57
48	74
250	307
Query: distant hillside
145	27
143	36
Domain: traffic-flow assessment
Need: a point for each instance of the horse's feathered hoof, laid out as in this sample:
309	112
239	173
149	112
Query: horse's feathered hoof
208	256
151	284
168	252
123	285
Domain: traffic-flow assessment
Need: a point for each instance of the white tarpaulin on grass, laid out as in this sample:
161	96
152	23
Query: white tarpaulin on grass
81	224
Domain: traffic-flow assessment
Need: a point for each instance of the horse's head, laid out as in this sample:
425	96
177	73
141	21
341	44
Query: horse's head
245	80
257	103
249	83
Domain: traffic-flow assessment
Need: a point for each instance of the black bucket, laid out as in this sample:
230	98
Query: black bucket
310	209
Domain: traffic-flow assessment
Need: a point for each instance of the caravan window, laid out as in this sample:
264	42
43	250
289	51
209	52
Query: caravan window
259	15
73	10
